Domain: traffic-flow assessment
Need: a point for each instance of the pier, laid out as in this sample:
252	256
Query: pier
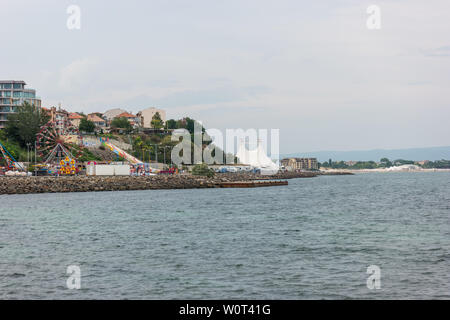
252	184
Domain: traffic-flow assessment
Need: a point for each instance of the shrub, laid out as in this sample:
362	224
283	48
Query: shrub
202	170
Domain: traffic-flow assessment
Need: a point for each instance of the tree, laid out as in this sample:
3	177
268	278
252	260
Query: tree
156	122
325	164
385	162
86	125
23	125
190	125
171	124
122	123
202	170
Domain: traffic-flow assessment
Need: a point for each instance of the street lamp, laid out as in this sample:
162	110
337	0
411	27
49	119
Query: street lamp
28	152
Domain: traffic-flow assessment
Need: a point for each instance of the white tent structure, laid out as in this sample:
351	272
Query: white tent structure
257	158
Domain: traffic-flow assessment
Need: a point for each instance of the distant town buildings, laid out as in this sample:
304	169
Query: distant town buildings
100	123
142	119
111	114
103	121
12	95
422	163
135	121
294	164
58	116
146	116
75	119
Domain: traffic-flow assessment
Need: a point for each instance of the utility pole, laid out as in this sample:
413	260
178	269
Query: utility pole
28	152
164	154
35	159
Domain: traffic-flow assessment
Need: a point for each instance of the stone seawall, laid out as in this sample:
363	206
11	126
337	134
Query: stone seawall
25	185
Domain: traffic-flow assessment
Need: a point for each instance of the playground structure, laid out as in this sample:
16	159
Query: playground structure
11	163
60	145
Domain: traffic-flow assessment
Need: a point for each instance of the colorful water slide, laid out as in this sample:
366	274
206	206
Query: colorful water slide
10	161
121	153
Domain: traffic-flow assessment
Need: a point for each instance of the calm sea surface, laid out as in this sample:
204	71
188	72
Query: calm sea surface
313	239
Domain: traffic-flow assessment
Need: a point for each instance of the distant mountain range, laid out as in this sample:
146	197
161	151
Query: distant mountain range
416	154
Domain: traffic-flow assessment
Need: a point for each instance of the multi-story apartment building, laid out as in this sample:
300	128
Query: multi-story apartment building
300	163
58	116
146	116
12	95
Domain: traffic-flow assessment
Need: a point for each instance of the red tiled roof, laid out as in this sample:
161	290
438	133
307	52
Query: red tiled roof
95	118
125	115
75	116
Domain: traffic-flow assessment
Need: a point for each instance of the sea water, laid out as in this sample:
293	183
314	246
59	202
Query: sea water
313	239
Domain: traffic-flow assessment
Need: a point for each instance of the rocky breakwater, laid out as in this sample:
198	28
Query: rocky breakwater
25	185
336	173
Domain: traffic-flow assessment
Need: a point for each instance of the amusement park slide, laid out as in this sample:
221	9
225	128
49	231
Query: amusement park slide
121	153
11	163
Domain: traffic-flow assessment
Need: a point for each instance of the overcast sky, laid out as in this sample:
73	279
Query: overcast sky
310	68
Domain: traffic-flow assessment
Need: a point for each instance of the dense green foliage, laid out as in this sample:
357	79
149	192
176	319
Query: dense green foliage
185	123
156	122
440	164
86	126
202	170
122	123
384	163
86	155
171	124
19	153
158	146
23	125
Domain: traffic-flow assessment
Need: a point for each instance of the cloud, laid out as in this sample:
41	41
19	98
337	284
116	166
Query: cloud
312	69
77	75
210	96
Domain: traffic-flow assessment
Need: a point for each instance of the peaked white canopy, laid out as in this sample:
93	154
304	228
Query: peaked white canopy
257	158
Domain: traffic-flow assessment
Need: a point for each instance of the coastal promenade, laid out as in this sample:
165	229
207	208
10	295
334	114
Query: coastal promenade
27	185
